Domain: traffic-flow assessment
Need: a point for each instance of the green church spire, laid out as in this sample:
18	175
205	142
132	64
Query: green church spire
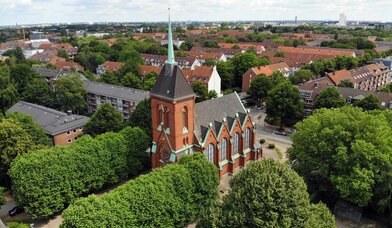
170	49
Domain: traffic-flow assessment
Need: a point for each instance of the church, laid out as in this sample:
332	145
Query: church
220	128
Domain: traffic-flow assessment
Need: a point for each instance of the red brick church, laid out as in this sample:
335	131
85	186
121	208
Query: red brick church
221	128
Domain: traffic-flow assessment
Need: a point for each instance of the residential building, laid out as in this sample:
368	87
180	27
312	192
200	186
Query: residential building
257	47
47	57
369	77
209	76
108	66
123	99
50	74
310	90
203	56
187	62
268	70
351	95
63	128
388	63
70	66
228	52
342	20
221	128
145	69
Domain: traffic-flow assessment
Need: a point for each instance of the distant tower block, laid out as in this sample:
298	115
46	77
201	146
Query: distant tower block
296	19
342	20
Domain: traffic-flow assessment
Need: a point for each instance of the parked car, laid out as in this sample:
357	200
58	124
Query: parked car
16	211
279	132
291	131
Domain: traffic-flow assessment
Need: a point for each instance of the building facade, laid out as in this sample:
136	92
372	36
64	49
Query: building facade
221	128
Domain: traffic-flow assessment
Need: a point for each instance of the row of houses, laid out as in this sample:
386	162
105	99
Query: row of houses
311	89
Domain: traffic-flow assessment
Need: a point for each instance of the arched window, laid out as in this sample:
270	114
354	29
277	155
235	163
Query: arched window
185	117
236	143
167	118
223	151
247	138
210	152
161	115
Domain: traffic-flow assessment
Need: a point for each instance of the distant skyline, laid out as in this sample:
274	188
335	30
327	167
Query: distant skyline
69	11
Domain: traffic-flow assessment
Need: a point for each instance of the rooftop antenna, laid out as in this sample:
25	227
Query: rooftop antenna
170	49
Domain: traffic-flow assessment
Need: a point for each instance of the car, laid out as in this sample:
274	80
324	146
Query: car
16	211
291	131
279	132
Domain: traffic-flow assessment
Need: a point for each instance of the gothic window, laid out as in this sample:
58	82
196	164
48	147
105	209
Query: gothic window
161	116
223	152
167	118
236	143
165	156
185	118
210	153
247	138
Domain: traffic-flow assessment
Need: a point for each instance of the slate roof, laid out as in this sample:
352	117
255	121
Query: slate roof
108	90
50	74
213	111
53	121
171	84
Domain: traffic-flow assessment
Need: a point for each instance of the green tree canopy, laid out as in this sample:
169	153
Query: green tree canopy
131	80
8	92
243	62
226	72
14	140
35	131
346	153
260	87
301	76
268	194
200	90
70	94
105	119
370	102
346	83
141	117
22	75
329	98
284	102
39	92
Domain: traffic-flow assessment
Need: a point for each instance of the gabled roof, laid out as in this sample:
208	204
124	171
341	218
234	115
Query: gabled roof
270	69
200	73
213	111
145	69
53	121
340	75
171	84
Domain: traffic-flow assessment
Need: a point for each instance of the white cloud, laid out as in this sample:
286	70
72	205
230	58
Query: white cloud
37	11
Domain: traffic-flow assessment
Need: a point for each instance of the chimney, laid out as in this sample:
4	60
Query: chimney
69	112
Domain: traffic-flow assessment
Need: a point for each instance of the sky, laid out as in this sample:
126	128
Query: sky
66	11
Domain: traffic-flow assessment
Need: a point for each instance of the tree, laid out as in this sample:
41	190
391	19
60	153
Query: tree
36	132
63	54
16	53
301	76
260	87
8	93
387	88
329	98
370	102
212	94
187	45
243	62
200	90
141	117
226	72
22	75
149	83
39	92
132	81
105	119
284	101
70	94
346	83
2	198
345	153
268	194
209	62
14	140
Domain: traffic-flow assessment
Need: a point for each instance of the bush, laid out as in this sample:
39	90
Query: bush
280	155
44	182
271	146
17	225
171	196
262	141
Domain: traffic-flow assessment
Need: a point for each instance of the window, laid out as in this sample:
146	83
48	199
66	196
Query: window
247	138
236	143
167	118
223	152
68	132
69	141
185	118
161	116
210	153
74	130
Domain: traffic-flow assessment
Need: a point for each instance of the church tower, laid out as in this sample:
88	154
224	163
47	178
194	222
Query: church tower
172	106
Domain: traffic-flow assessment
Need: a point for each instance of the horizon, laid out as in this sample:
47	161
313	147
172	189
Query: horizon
32	12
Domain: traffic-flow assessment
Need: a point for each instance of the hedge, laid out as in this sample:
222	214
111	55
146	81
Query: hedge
171	196
44	182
